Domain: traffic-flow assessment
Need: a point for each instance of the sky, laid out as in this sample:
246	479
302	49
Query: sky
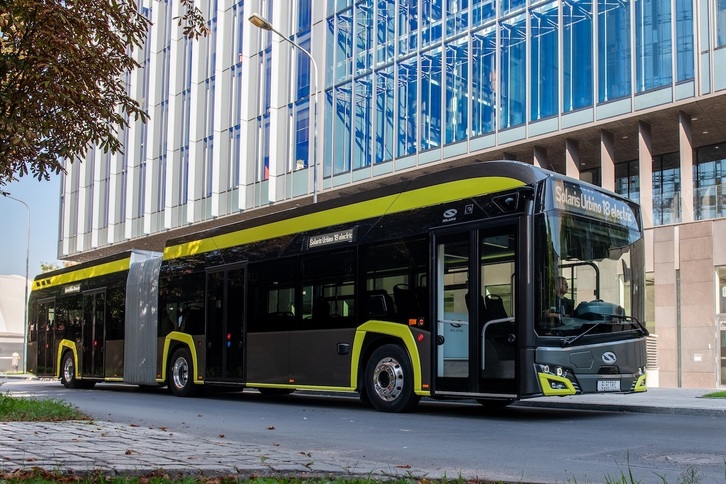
43	199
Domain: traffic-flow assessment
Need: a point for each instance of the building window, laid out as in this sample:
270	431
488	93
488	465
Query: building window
710	192
362	154
684	40
627	181
385	88
302	135
653	47
511	5
666	189
344	45
304	14
613	49
342	129
482	11
577	64
457	16
407	88
431	24
363	36
483	81
264	126
544	97
720	23
407	26
385	31
513	78
431	99
457	90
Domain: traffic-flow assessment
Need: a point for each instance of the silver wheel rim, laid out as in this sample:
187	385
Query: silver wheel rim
68	370
388	379
180	373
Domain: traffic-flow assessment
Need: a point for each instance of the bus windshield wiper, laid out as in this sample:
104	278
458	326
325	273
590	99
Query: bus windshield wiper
569	341
620	318
634	321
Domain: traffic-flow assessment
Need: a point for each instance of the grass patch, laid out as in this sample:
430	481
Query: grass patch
715	395
19	409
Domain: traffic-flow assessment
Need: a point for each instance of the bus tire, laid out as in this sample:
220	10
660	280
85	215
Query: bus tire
181	374
68	371
389	380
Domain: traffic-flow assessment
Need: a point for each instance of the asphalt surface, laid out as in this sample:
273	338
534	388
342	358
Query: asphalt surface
82	447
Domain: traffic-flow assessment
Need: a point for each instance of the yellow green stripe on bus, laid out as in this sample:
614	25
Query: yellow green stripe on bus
83	274
390	204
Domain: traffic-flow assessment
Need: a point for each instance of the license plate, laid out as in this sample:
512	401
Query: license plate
608	385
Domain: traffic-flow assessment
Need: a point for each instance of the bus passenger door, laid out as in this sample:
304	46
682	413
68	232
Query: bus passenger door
475	330
45	325
225	303
94	338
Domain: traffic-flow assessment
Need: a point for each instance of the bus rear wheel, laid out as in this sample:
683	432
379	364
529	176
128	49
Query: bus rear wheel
181	374
389	380
68	371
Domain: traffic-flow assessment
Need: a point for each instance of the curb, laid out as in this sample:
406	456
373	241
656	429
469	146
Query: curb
699	412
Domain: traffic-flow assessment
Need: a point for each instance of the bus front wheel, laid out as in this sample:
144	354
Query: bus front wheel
68	371
181	374
389	380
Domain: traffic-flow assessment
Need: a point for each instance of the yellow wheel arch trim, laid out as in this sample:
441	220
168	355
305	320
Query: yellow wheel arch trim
63	345
396	330
545	379
187	340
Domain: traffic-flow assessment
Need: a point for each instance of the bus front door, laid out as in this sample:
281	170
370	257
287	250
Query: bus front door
225	324
475	294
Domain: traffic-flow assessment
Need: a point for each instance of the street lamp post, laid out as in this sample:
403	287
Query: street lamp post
258	21
27	259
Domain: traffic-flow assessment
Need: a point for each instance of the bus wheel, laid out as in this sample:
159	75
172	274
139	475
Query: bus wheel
181	371
389	380
68	371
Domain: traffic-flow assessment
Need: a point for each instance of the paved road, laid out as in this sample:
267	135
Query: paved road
248	434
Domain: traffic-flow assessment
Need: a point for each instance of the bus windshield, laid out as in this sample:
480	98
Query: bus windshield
588	285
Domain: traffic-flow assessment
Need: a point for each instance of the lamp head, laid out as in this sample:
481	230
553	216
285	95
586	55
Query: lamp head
258	21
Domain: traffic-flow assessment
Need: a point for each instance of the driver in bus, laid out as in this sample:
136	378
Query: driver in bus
564	306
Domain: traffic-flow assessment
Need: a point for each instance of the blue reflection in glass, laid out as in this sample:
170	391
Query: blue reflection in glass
577	63
457	80
483	81
431	99
544	97
613	49
514	71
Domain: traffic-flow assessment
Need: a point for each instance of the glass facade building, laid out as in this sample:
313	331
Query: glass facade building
626	94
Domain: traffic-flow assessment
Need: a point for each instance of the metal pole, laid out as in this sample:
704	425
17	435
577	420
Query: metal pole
27	260
259	21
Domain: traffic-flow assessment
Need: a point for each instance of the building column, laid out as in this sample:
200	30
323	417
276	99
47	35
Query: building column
685	141
607	160
572	158
645	170
540	156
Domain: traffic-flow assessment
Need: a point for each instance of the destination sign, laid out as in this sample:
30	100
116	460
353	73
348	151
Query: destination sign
592	203
72	289
339	237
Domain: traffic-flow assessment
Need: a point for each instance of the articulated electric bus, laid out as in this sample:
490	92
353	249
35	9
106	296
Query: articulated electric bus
495	281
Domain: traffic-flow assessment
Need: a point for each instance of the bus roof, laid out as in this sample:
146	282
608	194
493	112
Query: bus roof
426	190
